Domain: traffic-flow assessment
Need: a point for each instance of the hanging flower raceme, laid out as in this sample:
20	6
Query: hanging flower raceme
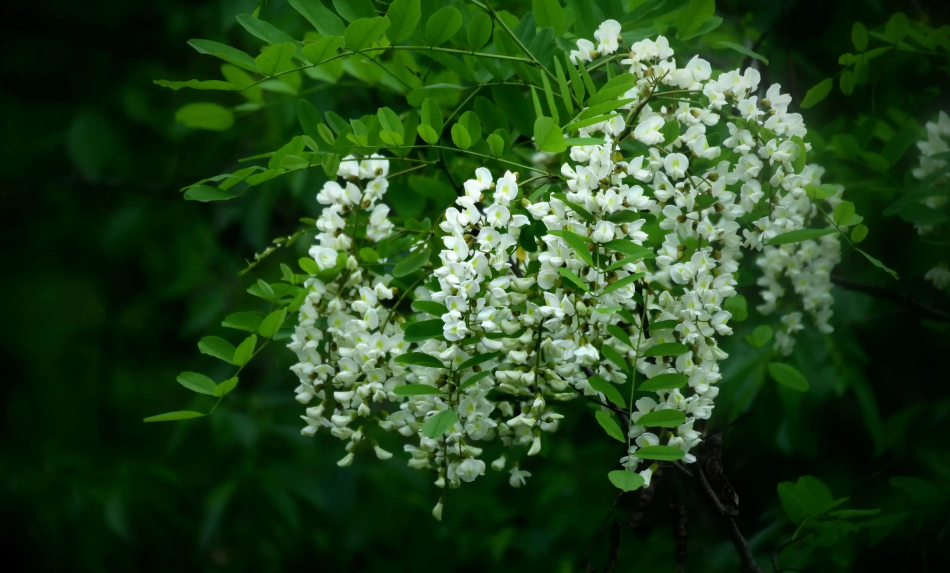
932	172
617	279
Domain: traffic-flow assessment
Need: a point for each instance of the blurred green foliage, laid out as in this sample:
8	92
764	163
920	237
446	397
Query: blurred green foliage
112	278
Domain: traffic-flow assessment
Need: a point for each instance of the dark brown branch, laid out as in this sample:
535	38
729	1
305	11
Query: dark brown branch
891	295
698	480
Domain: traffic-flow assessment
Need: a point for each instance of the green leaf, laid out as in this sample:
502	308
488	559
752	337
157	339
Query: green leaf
576	84
693	16
760	336
859	233
549	14
245	350
323	48
788	376
277	58
548	136
602	108
226	387
369	255
625	480
859	36
415	390
896	28
404	15
798	164
247	321
353	10
794	501
460	136
428	134
471	380
620	334
629	248
800	235
585	19
611	354
472	126
569	275
411	264
197	85
205	116
431	115
662	419
479	31
819	92
549	97
309	119
217	347
661	453
225	52
667	381
442	25
272	323
670	132
479	359
319	16
607	389
610	425
173	416
662	325
744	51
576	242
846	82
363	32
843	212
424	330
562	85
613	89
496	145
264	30
419	359
666	349
206	193
429	307
197	383
440	423
588	81
879	264
737	307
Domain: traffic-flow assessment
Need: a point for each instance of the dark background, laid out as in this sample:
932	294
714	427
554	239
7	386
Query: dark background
110	278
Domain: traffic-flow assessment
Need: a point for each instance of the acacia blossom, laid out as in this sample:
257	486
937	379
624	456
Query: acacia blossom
623	272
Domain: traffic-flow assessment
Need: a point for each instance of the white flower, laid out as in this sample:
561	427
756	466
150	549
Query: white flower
676	165
584	51
609	35
939	276
518	477
648	131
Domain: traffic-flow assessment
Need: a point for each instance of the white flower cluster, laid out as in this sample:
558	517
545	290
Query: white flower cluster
344	339
933	159
542	296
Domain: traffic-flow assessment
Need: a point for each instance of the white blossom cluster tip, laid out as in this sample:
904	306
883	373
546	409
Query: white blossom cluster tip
344	341
608	42
933	160
543	295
